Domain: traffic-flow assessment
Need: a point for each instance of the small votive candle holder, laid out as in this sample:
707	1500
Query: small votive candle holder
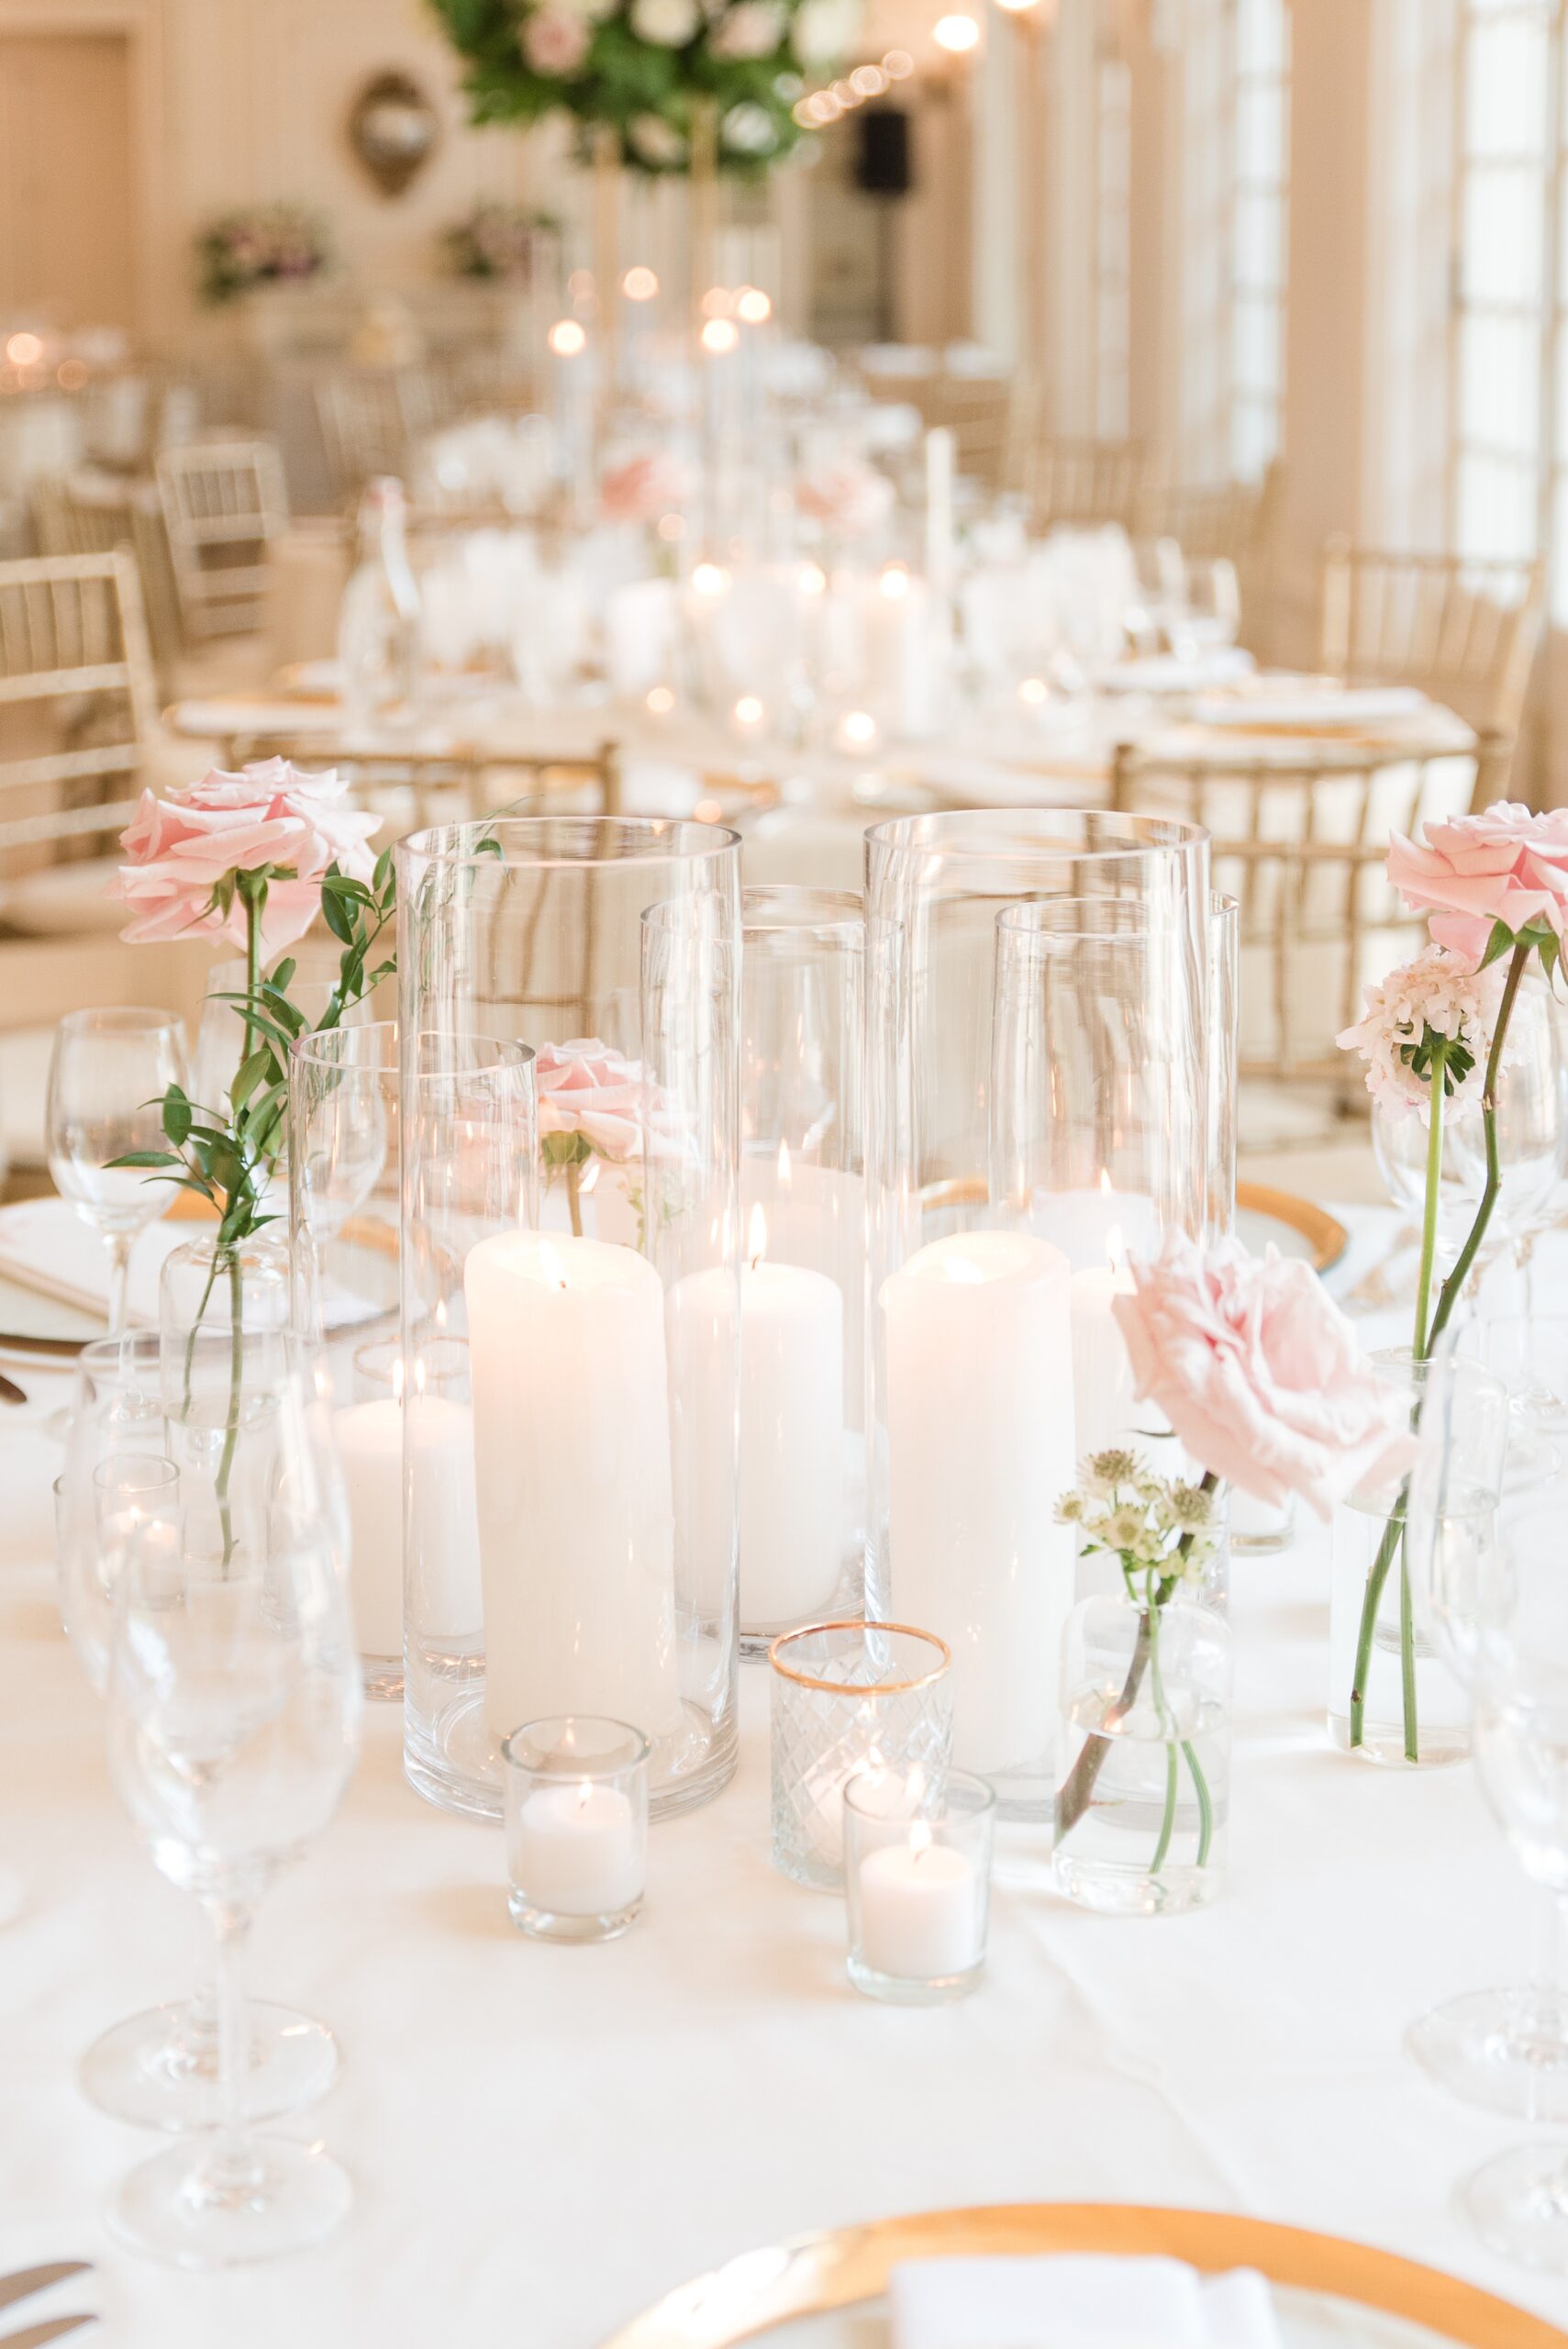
576	1816
850	1696
917	1887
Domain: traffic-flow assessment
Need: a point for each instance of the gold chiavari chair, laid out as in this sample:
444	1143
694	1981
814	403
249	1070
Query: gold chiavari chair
1300	837
222	501
1080	482
412	787
1465	632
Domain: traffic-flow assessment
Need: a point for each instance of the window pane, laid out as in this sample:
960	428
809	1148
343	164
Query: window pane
1505	86
1497	508
1499	384
1260	28
1502	233
1260	132
1257	339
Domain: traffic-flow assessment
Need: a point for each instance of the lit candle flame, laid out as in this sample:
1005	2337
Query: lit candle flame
1116	1249
584	1793
919	1840
757	1236
551	1264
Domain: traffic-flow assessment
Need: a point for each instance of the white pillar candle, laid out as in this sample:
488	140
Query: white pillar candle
1102	1369
791	1434
919	1918
443	1555
571	1455
980	1449
940	454
370	1446
576	1851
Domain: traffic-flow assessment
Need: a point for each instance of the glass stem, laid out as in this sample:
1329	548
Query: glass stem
120	1244
230	2165
1549	1976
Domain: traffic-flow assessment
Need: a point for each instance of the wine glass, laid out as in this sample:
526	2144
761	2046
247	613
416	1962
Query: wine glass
1518	2202
108	1077
158	2069
234	1714
1504	2050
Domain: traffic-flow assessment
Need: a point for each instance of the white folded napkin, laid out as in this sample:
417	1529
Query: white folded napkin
1078	2301
46	1246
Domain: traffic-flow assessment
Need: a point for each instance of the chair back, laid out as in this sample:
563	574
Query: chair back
1465	631
222	501
1080	481
1300	838
77	698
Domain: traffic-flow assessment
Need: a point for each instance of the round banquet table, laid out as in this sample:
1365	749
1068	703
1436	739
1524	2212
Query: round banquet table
544	2140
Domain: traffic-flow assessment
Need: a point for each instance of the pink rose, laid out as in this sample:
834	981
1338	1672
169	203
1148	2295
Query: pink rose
1508	864
585	1087
642	488
554	42
272	817
1259	1375
751	28
847	498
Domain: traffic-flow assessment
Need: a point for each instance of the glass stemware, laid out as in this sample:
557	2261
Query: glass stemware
1504	2050
158	2069
234	1711
107	1077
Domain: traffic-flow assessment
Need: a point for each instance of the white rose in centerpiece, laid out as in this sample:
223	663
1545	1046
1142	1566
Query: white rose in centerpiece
826	30
668	23
554	41
752	29
654	141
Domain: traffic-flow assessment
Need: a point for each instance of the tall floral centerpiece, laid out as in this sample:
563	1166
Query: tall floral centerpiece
1495	888
251	858
1259	1374
654	73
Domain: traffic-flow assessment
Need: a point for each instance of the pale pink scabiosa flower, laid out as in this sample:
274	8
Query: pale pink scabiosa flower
1259	1373
553	41
1438	999
273	818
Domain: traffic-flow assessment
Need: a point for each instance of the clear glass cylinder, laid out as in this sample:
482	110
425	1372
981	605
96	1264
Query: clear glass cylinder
226	1321
576	1812
846	1698
468	1135
917	1887
1143	1808
803	1277
1414	1712
345	1207
1038	1048
603	1323
1224	1052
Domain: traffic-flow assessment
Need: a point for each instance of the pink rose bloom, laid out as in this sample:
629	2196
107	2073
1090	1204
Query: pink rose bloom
642	488
181	846
847	498
554	42
1259	1375
586	1087
1508	864
751	28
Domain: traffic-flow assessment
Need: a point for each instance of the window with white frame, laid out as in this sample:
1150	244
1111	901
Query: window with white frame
1235	66
1507	151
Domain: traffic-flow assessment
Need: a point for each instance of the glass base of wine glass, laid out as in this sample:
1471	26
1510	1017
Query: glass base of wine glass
194	2207
1518	2206
158	2069
1505	2050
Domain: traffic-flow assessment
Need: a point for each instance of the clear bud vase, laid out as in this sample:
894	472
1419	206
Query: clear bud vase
225	1321
1144	1803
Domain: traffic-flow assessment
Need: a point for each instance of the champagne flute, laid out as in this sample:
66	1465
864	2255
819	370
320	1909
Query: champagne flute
234	1713
108	1077
158	2069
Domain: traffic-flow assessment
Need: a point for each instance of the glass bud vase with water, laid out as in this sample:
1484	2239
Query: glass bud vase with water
379	627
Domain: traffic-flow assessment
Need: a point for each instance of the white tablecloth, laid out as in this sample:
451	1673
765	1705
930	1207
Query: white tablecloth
544	2140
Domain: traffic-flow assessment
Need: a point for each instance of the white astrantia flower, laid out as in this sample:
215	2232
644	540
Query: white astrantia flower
1434	1002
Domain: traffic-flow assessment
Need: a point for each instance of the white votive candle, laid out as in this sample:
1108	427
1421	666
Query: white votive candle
576	1852
369	1446
572	1458
980	1449
919	1915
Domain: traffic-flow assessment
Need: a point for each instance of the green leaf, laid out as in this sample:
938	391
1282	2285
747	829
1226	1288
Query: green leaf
336	915
1500	942
279	982
146	1158
176	1116
248	1075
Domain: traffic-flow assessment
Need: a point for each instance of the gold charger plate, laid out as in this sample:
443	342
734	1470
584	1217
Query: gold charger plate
849	2267
1325	1235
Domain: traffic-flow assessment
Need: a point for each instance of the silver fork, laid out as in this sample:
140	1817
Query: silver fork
22	2287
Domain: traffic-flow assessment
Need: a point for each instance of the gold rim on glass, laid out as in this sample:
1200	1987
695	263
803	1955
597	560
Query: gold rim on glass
859	1689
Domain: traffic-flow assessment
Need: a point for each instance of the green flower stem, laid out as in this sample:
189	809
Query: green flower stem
574	1195
1430	1210
1408	1649
1163	1713
1448	1298
1205	1806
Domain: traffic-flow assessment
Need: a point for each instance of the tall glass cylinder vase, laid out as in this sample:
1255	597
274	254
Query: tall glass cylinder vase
1037	1068
468	1134
345	1206
803	1280
602	1326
